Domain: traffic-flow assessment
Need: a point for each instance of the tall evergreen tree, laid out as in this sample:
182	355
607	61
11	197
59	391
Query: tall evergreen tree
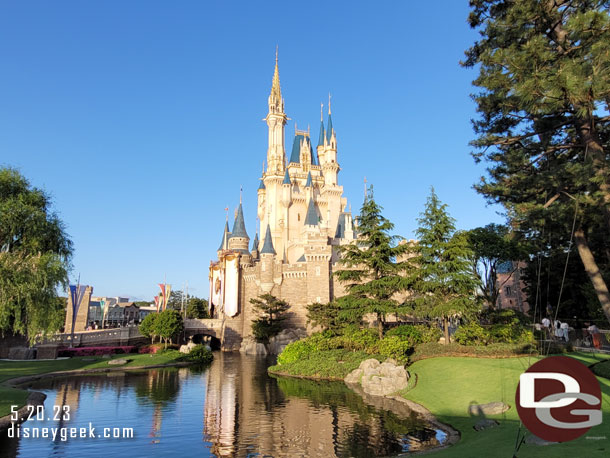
544	126
35	254
444	284
374	267
271	314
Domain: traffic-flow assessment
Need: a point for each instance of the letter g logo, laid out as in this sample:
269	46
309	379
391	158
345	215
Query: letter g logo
559	399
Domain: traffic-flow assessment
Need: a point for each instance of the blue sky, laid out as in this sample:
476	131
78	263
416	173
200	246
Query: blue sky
143	118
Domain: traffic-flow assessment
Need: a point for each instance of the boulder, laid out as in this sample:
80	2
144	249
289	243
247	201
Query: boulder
379	379
276	345
187	348
491	408
117	362
535	440
485	423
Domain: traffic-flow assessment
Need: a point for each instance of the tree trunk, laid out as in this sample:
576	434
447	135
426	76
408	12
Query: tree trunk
601	289
380	325
446	330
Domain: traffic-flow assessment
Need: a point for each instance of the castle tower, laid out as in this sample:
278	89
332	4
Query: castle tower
239	239
267	261
276	119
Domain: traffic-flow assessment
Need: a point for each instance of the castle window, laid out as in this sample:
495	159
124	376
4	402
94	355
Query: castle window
298	217
508	291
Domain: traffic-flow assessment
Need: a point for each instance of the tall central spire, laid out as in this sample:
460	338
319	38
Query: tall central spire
276	119
276	91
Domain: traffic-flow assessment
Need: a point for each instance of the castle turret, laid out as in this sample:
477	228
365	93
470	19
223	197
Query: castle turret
330	167
254	250
224	244
267	256
239	239
276	119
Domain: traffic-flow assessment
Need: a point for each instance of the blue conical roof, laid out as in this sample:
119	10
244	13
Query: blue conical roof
329	130
255	243
286	178
309	181
225	237
239	227
311	219
261	185
321	137
268	244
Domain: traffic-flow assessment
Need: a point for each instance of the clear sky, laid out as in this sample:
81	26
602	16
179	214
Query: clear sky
143	118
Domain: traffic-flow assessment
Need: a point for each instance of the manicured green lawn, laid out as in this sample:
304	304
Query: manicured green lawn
13	369
447	386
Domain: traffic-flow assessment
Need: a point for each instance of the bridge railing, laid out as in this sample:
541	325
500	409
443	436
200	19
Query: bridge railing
119	335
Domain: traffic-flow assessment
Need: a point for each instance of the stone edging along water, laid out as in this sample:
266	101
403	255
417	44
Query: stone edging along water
453	435
36	398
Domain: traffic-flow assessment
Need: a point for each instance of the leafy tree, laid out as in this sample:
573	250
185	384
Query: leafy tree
35	254
544	126
168	325
175	300
143	303
373	267
444	285
271	311
148	327
197	308
491	245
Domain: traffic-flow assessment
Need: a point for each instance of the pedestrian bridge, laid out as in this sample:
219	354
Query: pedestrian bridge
206	326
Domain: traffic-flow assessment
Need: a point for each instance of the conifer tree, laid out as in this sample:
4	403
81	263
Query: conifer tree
544	127
373	267
445	284
272	312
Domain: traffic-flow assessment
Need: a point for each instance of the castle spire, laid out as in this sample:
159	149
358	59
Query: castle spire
276	119
329	129
276	91
225	238
268	243
239	227
321	137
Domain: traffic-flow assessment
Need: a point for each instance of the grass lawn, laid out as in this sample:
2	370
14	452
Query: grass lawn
13	369
447	386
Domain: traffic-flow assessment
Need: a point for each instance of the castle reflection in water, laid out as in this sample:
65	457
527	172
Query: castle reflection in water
248	413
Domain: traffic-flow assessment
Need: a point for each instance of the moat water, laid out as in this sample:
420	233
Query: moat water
229	409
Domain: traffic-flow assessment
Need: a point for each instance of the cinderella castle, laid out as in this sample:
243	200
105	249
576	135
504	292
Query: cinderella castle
303	216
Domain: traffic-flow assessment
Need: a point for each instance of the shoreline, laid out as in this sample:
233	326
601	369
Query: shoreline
36	398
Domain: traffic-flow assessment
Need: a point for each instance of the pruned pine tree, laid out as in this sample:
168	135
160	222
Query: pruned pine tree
271	313
444	285
374	268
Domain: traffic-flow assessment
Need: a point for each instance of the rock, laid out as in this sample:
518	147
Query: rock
535	440
379	379
187	348
117	362
485	423
276	345
491	408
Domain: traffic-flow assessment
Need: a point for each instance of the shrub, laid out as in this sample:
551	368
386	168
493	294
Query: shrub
200	354
502	350
295	351
407	332
602	369
360	339
429	333
471	334
393	347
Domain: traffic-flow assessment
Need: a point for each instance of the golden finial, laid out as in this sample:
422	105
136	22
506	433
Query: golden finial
322	112
276	52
